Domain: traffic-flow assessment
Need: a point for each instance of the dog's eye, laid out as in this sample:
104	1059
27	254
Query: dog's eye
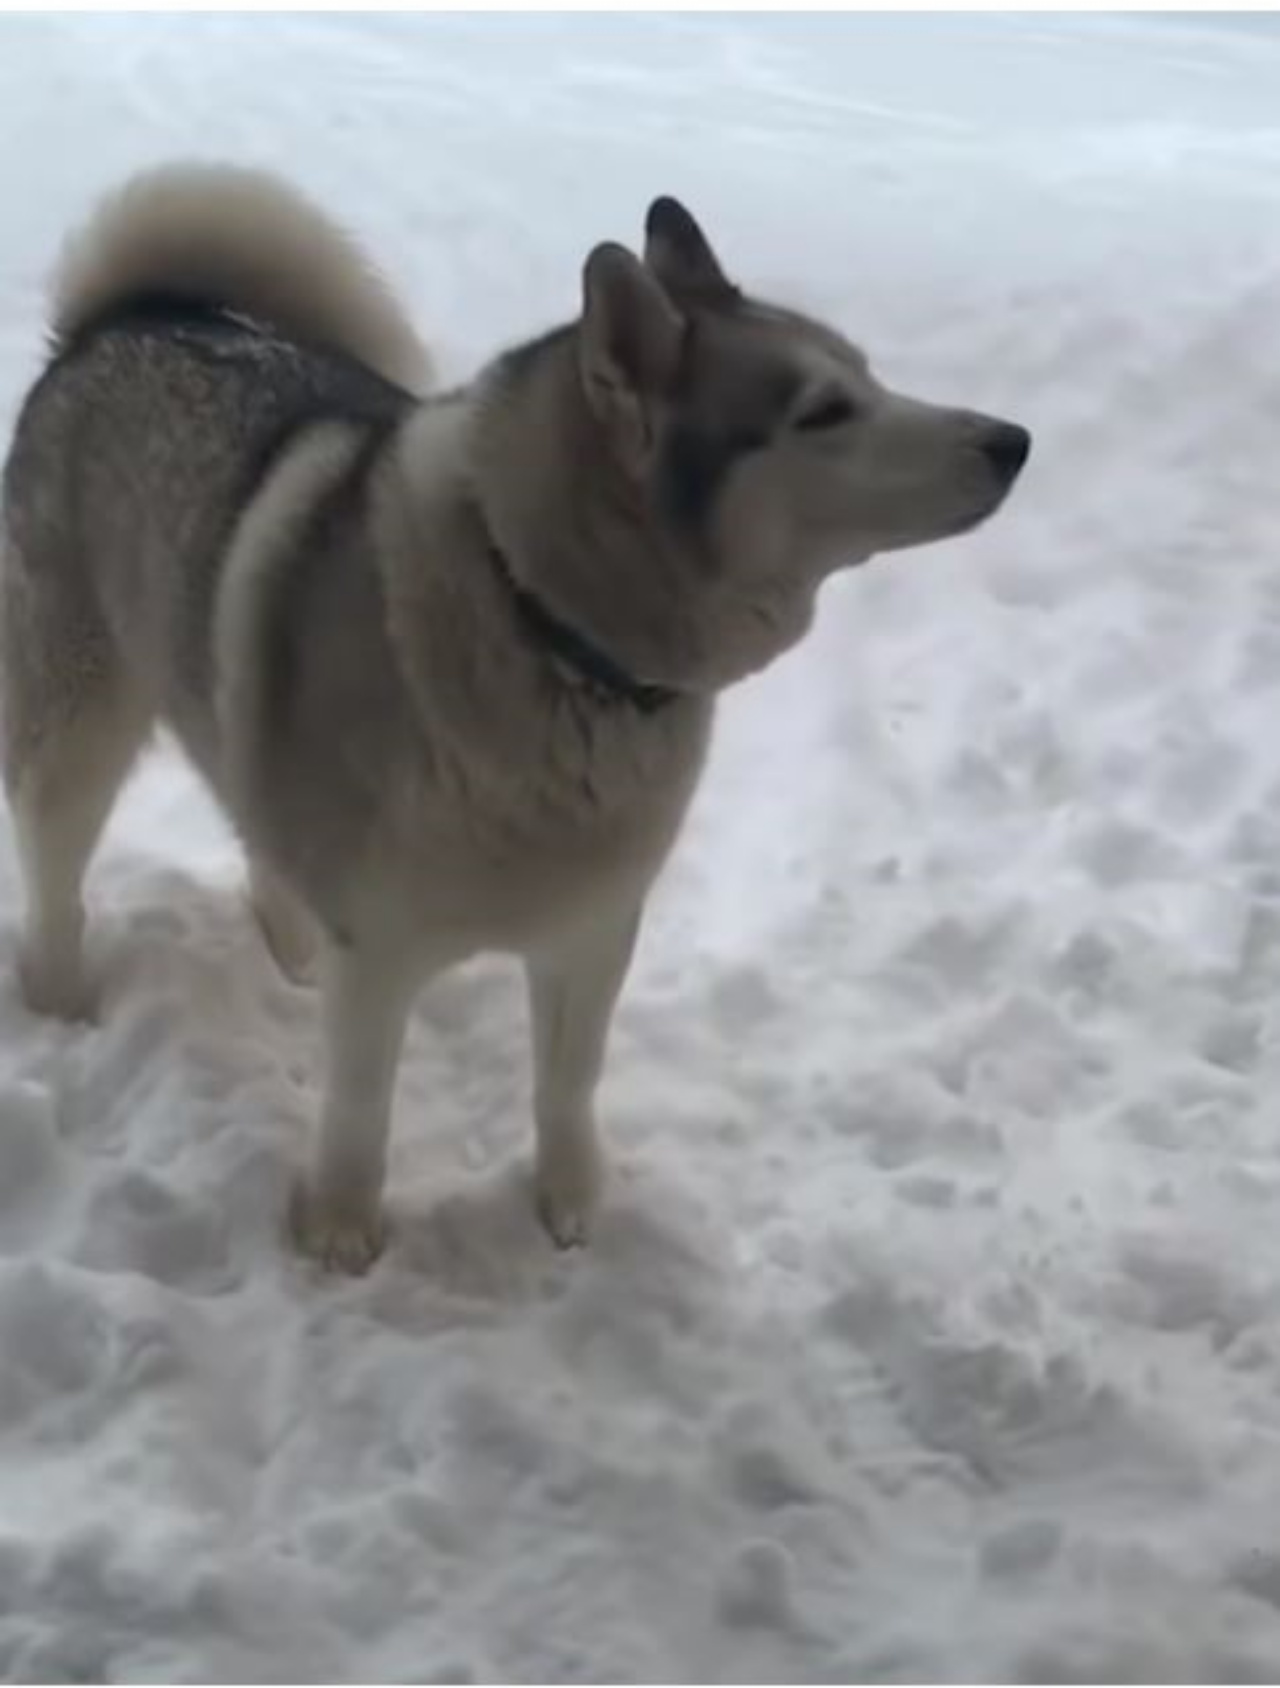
832	412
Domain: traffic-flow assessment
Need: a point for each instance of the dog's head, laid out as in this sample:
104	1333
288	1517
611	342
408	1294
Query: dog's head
757	453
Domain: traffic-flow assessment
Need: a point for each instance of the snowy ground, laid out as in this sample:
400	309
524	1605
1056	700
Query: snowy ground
934	1326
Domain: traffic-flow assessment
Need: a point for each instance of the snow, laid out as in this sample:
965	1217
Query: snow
932	1326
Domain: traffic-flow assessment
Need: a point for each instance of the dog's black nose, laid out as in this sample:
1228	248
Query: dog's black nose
1006	447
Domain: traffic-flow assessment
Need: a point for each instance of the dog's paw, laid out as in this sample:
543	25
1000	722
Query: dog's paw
340	1236
290	936
567	1193
291	948
300	968
56	991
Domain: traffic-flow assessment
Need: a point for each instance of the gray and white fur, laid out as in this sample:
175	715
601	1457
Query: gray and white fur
388	628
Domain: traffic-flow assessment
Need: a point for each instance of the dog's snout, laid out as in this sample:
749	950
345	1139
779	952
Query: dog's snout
1006	447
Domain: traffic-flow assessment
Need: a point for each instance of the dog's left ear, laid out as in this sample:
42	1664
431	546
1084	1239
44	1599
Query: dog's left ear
629	348
680	255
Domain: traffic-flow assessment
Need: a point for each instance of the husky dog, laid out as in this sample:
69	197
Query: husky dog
448	662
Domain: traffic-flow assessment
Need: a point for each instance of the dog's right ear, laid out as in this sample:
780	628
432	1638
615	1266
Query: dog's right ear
629	347
680	255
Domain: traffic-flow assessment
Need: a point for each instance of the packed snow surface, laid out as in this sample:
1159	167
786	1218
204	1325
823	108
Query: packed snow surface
932	1326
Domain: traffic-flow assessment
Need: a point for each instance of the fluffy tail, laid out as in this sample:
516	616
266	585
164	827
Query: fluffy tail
245	240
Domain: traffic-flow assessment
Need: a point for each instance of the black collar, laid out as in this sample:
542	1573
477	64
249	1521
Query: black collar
576	651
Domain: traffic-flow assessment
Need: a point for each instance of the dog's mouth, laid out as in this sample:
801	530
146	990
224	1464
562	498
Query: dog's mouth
1002	472
975	513
981	512
964	522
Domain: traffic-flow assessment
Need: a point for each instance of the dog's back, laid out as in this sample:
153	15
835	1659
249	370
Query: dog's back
201	322
135	456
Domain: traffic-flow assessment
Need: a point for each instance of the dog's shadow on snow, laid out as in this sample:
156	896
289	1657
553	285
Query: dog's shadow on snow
478	1242
481	1245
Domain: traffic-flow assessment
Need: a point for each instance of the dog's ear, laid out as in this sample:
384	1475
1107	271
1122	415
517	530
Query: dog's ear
680	255
630	345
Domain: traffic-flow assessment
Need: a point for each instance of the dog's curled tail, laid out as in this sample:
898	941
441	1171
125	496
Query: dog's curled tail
243	239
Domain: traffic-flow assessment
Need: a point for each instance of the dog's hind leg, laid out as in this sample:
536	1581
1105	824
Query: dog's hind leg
72	726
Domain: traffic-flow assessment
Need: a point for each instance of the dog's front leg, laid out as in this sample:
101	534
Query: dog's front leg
573	987
338	1208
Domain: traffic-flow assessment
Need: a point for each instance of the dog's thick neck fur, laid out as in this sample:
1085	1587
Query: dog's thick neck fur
564	644
455	625
574	531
